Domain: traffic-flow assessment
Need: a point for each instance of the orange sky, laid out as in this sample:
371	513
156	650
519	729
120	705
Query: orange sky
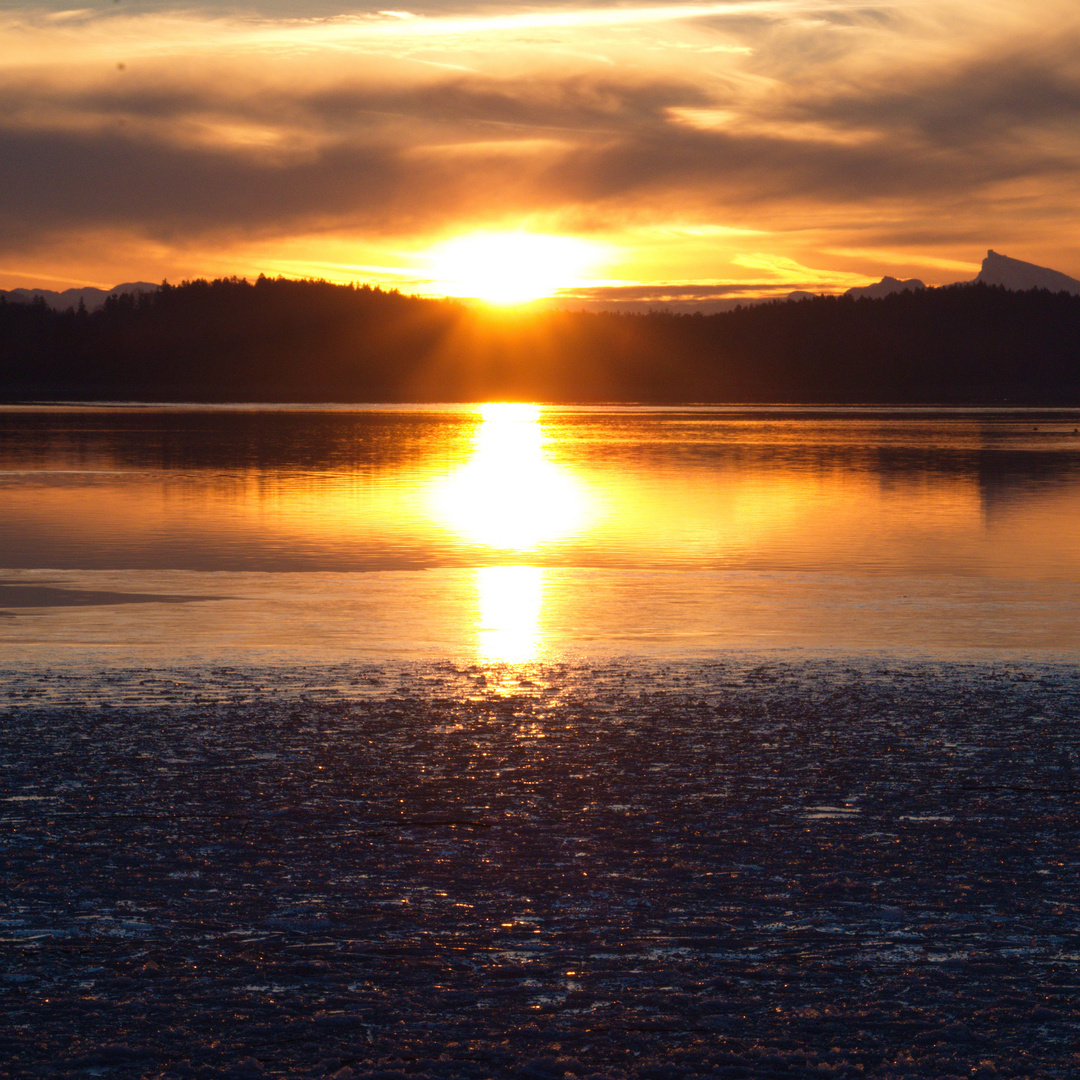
694	151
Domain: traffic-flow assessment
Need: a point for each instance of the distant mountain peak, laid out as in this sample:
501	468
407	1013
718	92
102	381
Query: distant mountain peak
886	287
1020	276
93	298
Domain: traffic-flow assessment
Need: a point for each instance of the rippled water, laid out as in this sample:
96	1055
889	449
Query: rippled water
515	533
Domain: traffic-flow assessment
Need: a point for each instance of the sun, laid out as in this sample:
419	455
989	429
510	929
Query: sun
508	267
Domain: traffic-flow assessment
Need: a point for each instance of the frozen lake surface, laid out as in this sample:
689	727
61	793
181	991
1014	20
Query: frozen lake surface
765	870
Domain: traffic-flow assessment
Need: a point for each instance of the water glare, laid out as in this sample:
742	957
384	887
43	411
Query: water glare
509	495
509	603
161	532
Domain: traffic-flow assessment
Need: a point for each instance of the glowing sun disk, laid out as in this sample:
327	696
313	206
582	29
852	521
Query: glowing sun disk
508	268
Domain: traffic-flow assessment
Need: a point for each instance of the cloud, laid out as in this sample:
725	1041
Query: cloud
171	158
831	127
1010	93
356	152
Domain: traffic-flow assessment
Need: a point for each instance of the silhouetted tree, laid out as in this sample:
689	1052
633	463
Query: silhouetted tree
279	340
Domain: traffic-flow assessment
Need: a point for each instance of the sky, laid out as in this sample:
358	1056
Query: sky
687	153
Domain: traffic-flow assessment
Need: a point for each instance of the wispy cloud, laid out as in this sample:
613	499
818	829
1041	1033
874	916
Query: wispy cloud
821	133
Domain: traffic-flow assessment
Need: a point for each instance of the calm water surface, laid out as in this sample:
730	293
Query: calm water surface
511	533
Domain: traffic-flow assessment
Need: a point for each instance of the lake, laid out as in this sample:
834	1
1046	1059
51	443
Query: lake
511	534
514	742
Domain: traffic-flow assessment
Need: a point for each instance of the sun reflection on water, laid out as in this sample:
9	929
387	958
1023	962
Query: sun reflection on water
510	497
510	600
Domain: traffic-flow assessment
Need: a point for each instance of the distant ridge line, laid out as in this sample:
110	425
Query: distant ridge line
92	298
998	270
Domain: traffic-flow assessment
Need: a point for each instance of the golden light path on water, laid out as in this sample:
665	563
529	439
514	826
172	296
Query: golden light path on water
510	497
510	600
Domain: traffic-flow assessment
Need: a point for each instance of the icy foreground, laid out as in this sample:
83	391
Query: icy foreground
731	870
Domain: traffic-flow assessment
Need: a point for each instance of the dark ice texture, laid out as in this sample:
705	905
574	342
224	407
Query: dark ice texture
729	870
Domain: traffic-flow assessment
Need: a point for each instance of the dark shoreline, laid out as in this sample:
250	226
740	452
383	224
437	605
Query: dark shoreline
281	340
724	870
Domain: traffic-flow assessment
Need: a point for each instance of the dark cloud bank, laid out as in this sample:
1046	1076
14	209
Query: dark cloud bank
387	159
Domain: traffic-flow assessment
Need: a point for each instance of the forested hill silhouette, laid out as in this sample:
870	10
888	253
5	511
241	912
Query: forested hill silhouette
285	340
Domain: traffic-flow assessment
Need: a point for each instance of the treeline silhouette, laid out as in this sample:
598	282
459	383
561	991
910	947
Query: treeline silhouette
286	340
